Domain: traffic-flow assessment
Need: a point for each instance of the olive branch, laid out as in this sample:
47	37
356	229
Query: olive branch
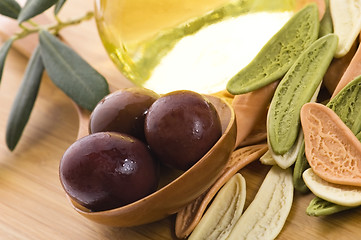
66	69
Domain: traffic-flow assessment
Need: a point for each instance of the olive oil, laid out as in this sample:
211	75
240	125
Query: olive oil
140	35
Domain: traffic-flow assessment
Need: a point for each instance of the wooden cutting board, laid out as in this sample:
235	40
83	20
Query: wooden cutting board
32	202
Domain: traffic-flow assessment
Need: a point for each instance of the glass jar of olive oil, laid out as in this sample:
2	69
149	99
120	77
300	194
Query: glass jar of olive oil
198	45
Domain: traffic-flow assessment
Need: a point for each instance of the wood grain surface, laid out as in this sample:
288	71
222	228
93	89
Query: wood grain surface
32	202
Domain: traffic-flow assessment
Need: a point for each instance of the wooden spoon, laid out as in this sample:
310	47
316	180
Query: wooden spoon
177	189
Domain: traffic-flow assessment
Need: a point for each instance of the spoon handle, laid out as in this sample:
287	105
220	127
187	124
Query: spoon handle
84	116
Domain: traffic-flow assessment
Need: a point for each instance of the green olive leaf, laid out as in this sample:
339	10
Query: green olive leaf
10	8
74	76
58	6
24	100
33	8
3	53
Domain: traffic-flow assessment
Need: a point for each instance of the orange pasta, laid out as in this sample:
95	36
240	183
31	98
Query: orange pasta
249	108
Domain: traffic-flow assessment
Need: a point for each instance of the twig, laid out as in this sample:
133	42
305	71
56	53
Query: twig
54	28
